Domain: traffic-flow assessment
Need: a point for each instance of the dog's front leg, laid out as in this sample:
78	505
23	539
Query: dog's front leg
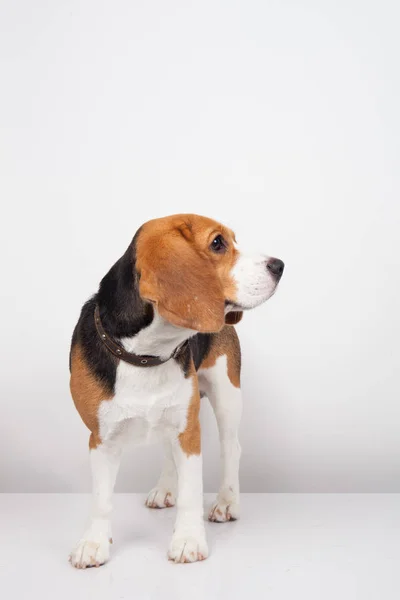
93	549
188	542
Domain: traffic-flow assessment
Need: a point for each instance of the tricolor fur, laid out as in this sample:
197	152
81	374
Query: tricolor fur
181	278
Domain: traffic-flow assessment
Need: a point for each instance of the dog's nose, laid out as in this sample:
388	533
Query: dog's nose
275	266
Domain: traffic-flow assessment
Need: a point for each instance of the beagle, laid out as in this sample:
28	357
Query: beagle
155	338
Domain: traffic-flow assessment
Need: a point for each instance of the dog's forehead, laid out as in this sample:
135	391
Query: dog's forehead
165	224
189	223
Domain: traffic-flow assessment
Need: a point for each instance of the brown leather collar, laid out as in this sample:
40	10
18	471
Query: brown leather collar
129	357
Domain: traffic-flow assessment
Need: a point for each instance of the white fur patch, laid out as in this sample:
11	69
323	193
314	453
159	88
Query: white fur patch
148	403
226	400
254	282
94	547
188	542
160	338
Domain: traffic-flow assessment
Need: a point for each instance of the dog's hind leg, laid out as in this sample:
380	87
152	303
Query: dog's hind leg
163	495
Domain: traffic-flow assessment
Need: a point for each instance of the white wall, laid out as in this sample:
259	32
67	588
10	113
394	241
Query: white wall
280	119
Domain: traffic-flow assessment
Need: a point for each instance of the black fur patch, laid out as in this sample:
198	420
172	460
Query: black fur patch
122	310
123	314
184	360
197	348
200	345
101	362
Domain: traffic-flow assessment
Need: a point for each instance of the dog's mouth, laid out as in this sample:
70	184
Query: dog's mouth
254	300
233	307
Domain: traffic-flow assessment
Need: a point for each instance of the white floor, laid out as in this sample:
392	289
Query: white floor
312	546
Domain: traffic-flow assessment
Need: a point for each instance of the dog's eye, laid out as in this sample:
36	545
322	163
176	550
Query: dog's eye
218	244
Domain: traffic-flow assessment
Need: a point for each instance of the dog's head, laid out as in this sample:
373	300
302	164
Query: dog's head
190	269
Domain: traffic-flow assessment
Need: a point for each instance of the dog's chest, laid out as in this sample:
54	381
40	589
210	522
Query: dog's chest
147	402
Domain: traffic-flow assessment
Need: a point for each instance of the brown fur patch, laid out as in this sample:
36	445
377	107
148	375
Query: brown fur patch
190	439
87	393
226	342
181	275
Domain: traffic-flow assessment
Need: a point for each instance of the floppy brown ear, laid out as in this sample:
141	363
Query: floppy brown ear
182	284
232	318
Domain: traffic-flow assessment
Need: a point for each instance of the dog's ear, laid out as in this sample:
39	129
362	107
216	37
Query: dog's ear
181	283
232	318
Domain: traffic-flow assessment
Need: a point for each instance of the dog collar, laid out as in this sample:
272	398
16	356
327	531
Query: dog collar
133	359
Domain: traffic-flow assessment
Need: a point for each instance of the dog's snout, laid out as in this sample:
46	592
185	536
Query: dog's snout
275	266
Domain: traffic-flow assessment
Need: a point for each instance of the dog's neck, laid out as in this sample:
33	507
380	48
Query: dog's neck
127	318
160	338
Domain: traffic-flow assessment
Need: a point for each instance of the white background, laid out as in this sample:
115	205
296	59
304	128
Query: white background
281	119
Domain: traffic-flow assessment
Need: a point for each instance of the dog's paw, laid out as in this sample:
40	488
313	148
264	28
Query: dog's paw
160	498
188	549
91	552
223	511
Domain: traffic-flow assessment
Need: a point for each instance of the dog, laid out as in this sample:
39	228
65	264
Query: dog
156	337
